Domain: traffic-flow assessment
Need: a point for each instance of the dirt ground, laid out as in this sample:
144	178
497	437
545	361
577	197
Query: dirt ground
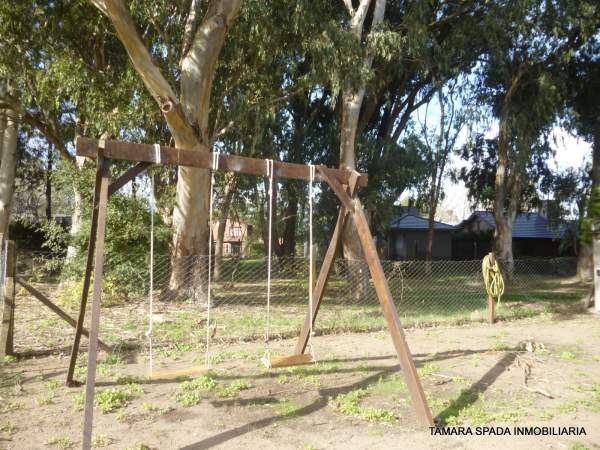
532	372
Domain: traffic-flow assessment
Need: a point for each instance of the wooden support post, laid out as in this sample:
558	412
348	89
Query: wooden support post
59	312
87	275
321	282
391	316
126	177
96	295
8	304
490	310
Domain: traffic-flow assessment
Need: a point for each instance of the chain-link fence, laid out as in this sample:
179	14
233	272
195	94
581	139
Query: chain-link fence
425	293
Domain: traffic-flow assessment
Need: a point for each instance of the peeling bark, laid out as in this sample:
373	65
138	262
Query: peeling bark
352	99
187	119
7	168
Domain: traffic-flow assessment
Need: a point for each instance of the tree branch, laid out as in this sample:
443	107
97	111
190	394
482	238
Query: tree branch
158	86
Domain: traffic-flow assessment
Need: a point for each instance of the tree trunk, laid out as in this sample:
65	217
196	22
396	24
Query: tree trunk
190	216
7	168
225	207
352	99
435	187
288	246
585	263
503	231
77	215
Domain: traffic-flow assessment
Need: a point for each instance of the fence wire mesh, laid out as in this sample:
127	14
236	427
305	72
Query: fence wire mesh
425	293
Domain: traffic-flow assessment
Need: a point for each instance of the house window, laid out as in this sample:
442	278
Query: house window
236	249
236	231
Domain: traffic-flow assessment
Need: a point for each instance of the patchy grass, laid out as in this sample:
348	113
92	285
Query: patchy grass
390	386
349	404
190	392
232	389
61	442
110	400
101	441
8	428
287	408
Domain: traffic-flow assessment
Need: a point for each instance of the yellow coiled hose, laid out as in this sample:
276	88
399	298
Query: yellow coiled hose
492	277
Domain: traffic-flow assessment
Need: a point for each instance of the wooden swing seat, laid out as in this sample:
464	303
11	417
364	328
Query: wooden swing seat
287	361
172	374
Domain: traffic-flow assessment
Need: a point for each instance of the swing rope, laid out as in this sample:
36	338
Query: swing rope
151	268
215	166
267	356
311	259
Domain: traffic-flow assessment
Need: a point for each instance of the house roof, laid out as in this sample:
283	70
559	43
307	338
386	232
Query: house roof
526	225
409	221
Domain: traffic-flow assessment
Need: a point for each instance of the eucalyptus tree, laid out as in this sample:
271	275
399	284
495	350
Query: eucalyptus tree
529	44
583	117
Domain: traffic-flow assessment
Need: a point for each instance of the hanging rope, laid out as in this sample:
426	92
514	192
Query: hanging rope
151	268
311	259
215	167
492	277
267	357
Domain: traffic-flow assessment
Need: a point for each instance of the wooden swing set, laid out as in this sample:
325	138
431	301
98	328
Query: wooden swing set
344	184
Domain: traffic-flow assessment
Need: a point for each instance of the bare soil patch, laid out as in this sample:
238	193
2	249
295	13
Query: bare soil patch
353	398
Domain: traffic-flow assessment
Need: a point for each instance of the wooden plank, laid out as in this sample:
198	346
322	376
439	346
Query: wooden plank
202	158
8	303
86	277
339	190
275	362
126	177
96	295
173	374
391	317
59	312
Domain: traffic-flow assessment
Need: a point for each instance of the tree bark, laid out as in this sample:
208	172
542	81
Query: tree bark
585	255
7	168
503	231
288	245
230	189
77	215
352	99
187	119
435	188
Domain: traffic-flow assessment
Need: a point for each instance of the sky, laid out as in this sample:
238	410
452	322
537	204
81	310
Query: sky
570	151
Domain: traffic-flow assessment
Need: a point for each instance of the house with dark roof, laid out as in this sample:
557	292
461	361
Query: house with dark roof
407	238
533	235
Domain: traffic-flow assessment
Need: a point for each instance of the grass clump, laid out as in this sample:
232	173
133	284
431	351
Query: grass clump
101	441
231	390
190	392
61	442
349	404
110	400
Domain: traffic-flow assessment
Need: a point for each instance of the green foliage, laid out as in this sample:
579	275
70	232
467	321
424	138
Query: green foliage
110	400
61	442
349	404
190	392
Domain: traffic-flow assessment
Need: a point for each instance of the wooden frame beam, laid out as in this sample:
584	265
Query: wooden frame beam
391	317
126	177
96	295
87	277
342	182
204	160
59	312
